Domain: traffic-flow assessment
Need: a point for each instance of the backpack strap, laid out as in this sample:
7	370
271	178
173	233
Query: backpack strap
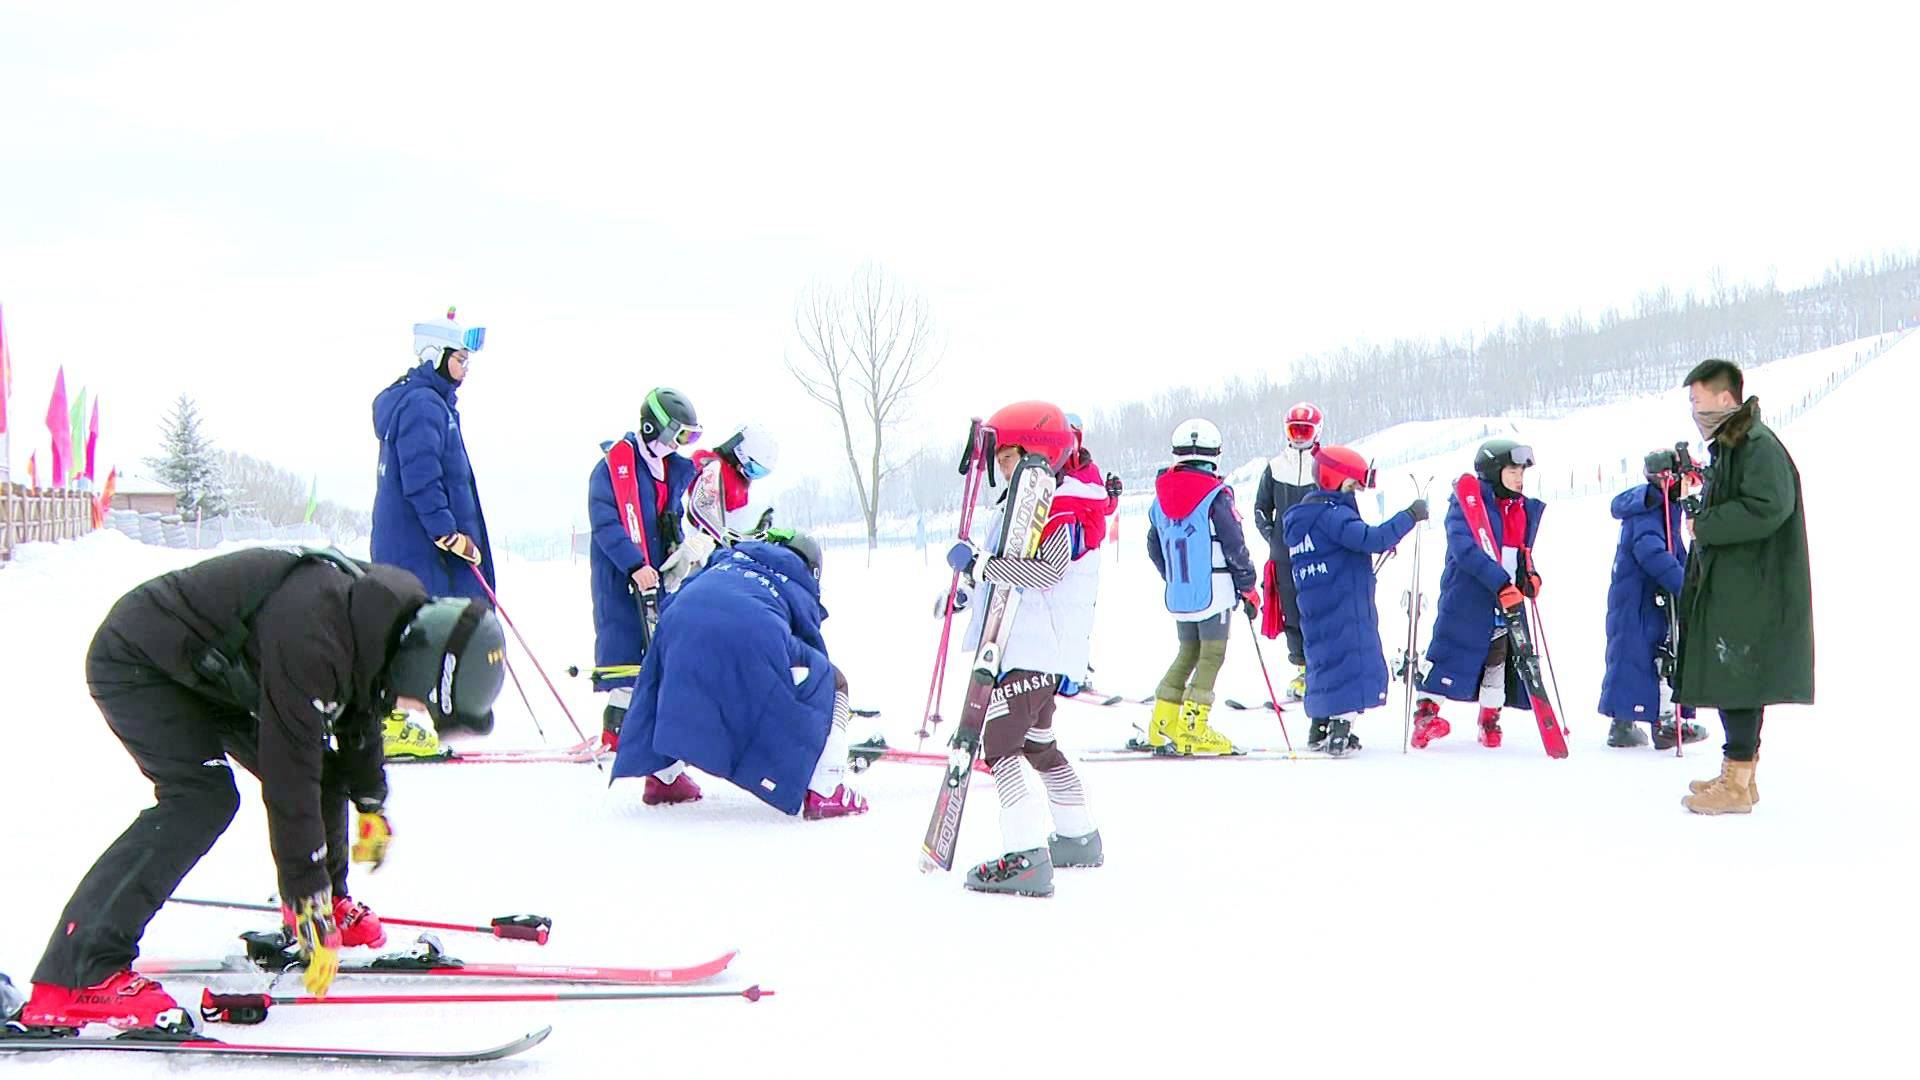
220	663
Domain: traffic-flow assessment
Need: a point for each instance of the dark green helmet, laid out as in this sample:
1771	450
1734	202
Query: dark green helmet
1495	455
666	416
802	545
451	655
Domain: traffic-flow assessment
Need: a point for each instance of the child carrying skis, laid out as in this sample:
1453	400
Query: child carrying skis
1648	569
1330	548
716	503
1047	641
1196	542
1467	659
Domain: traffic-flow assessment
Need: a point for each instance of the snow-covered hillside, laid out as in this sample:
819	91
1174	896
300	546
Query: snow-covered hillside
1456	911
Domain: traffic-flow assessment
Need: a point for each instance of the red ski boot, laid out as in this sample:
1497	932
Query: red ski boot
1490	728
1428	724
683	789
844	802
123	999
358	924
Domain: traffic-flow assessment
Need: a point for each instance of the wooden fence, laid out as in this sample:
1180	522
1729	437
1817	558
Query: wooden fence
29	516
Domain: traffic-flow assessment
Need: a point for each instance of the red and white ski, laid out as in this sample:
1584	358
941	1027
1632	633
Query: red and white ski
1526	659
14	1040
437	965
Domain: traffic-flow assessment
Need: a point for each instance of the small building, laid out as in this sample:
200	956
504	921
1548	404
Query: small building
144	496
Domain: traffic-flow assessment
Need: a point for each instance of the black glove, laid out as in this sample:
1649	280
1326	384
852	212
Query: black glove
1691	505
1113	486
1417	510
1526	578
765	523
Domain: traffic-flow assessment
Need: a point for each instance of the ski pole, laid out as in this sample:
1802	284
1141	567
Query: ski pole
1673	621
534	928
969	493
1546	653
252	1008
508	619
531	715
604	671
1272	697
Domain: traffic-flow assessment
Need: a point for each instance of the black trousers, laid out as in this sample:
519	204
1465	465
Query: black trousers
1743	733
182	742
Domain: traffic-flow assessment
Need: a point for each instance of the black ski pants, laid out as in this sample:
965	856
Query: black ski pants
1743	733
182	742
1289	590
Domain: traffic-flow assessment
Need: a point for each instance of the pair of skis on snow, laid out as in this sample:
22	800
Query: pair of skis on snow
270	953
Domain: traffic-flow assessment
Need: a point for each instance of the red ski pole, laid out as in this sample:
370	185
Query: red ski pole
252	1008
969	493
517	636
534	928
1272	697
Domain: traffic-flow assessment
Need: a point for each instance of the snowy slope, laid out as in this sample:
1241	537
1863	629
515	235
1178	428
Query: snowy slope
1456	912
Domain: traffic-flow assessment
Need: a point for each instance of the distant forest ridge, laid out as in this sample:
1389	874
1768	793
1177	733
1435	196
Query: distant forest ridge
1525	365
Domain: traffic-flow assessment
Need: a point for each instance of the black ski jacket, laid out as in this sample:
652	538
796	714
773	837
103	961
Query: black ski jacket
1284	484
317	648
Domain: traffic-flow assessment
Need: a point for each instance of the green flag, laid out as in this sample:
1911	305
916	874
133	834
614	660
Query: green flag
313	499
77	466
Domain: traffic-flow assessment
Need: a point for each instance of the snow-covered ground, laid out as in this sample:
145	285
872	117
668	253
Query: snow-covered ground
1456	911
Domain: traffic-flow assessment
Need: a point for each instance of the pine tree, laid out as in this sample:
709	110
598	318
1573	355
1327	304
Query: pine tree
189	464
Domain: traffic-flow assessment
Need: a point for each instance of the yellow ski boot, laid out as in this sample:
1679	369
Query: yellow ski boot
1165	723
405	739
1199	737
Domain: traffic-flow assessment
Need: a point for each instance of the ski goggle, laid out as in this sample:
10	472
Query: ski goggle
753	469
474	339
1521	456
671	430
1300	431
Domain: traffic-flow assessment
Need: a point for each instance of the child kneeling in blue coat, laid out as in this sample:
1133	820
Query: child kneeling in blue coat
1648	568
1330	549
737	682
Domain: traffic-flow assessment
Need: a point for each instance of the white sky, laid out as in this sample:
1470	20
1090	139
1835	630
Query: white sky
255	202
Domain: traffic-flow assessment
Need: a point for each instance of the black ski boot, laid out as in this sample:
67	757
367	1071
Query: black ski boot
1625	733
1317	736
1663	736
1340	738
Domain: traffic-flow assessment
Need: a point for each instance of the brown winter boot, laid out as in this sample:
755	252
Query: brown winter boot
1731	794
1753	783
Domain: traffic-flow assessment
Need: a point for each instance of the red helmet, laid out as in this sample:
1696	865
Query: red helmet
1337	464
1037	427
1303	423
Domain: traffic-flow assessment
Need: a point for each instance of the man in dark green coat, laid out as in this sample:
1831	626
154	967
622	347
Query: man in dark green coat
1746	611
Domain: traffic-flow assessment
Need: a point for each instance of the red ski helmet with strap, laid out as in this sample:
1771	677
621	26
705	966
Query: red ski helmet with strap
1337	464
1037	427
1303	423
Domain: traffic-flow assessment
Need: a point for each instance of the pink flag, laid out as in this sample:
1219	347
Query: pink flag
60	426
6	376
93	437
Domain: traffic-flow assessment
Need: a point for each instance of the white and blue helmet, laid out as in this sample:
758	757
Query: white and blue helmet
432	339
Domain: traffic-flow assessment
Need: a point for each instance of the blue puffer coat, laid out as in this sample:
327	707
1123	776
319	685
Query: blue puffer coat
1636	622
613	556
717	690
426	487
1469	586
1330	548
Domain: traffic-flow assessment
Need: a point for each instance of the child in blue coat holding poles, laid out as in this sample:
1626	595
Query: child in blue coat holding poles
1330	549
1648	568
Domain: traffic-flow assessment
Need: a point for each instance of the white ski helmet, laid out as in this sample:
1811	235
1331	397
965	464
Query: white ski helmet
432	339
752	449
1196	436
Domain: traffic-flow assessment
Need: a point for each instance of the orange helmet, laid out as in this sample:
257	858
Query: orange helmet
1037	427
1337	464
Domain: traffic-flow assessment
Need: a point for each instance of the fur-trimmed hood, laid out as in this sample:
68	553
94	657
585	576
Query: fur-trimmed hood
1735	430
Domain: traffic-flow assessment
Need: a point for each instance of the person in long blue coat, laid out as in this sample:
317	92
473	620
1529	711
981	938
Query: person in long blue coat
738	684
1330	549
1466	657
426	508
1649	567
620	569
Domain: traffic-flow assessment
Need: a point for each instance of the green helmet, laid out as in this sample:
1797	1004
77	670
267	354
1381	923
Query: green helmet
802	545
451	655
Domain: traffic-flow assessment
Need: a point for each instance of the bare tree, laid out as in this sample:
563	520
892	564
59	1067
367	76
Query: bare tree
869	346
